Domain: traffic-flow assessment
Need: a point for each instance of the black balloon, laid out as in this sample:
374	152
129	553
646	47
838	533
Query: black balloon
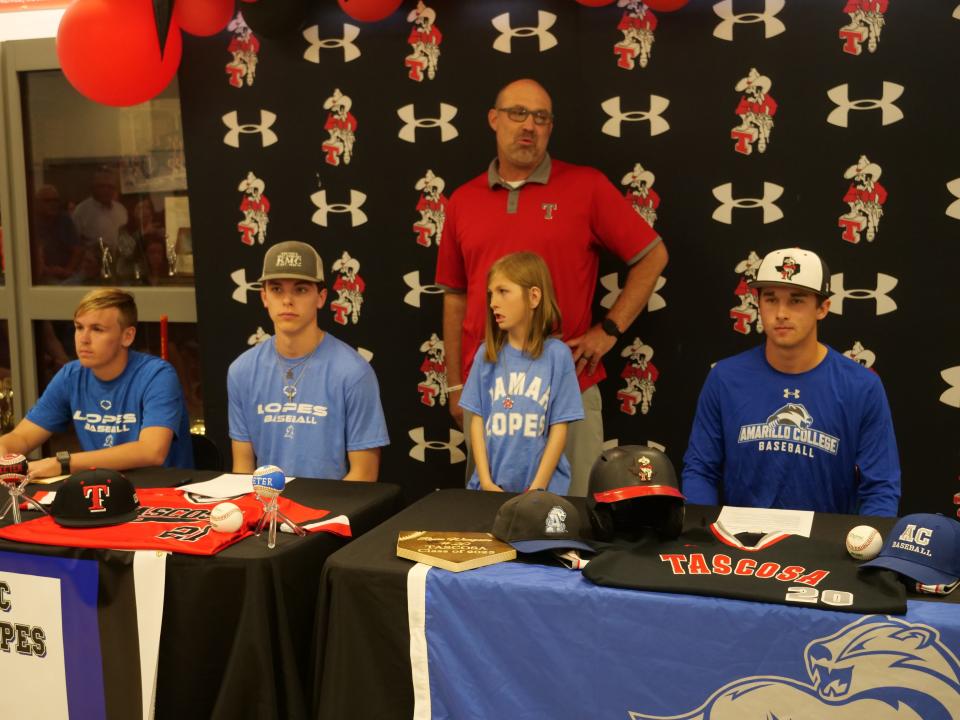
273	18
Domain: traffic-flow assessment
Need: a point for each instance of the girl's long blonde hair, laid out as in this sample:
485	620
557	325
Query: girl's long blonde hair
528	270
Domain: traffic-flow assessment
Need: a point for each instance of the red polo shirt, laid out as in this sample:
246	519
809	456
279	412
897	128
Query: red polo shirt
565	213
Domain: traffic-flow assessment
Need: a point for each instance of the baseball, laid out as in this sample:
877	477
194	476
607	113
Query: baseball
226	517
864	543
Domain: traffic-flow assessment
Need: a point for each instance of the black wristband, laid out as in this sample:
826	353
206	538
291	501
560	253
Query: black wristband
64	459
610	328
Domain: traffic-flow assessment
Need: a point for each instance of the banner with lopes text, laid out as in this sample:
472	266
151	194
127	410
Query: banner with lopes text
66	624
479	650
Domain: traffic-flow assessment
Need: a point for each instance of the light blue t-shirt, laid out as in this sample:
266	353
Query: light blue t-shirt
336	409
146	394
519	398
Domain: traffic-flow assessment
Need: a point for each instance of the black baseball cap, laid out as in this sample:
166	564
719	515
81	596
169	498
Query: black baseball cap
95	498
539	520
292	260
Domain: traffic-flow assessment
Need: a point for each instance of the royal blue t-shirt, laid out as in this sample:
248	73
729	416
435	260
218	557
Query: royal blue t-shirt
336	409
519	398
819	440
146	394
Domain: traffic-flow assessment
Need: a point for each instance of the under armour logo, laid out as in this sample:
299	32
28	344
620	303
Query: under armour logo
840	95
724	212
771	24
545	21
611	106
953	210
419	450
409	131
951	376
357	216
787	393
611	283
412	280
350	50
885	303
239	277
365	354
548	209
258	337
267	136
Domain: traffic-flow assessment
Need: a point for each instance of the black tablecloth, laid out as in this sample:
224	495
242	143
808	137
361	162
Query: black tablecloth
363	644
238	626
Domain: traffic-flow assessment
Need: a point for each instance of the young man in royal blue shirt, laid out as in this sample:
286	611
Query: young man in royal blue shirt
127	407
793	423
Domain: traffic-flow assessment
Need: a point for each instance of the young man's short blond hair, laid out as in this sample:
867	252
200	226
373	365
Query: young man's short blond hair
103	298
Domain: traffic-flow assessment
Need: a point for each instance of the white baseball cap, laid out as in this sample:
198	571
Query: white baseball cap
793	267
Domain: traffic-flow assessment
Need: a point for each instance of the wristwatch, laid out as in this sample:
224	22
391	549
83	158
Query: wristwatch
63	457
610	328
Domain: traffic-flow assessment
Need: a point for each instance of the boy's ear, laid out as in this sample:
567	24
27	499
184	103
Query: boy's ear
535	295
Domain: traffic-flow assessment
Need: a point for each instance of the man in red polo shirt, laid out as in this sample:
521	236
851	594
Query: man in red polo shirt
565	213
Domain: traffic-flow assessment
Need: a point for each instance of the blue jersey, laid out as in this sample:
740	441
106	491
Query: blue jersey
336	409
104	414
519	398
820	440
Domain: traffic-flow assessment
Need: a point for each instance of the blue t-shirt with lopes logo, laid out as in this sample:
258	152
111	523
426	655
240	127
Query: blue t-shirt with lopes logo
336	409
519	398
819	440
146	394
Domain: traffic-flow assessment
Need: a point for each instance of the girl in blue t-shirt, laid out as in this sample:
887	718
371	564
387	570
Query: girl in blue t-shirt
523	386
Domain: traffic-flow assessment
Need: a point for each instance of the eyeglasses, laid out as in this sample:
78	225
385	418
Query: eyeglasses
520	113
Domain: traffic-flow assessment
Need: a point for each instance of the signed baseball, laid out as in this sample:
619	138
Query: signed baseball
226	517
864	543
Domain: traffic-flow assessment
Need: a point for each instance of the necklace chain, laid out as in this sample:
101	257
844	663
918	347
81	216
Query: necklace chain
508	400
290	388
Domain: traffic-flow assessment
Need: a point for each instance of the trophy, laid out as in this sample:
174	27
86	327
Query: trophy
13	474
268	483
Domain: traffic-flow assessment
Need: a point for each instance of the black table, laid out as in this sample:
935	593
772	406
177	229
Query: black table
364	646
237	626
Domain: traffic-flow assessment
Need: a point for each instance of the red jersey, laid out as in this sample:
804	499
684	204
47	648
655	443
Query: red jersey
171	520
431	37
261	205
877	195
647	22
348	123
566	218
767	107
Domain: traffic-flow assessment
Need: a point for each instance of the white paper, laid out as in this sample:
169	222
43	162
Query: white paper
764	520
227	485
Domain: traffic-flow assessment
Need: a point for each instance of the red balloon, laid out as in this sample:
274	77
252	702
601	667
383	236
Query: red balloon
665	5
202	17
369	10
110	52
596	3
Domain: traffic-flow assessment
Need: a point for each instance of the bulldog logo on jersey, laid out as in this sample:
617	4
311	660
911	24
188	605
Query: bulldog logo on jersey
433	387
874	662
432	206
255	208
861	355
640	376
341	127
789	429
637	25
866	22
243	49
755	110
865	199
746	314
349	287
424	41
640	193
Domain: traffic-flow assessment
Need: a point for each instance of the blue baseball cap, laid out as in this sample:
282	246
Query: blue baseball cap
923	547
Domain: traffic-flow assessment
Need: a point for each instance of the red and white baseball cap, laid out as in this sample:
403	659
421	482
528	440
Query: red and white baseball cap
793	267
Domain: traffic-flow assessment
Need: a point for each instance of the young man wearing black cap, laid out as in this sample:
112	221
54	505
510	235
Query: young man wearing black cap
127	407
303	400
793	423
